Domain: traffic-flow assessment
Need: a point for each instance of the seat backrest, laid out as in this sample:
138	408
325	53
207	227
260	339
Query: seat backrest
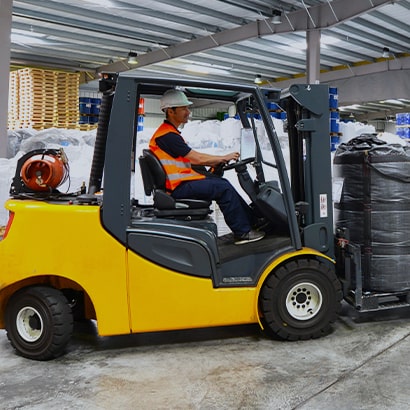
154	177
153	174
147	179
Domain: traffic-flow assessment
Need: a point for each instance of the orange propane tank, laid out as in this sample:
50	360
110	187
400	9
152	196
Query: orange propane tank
44	172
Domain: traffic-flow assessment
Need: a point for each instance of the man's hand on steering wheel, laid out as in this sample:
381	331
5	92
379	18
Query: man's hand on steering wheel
218	170
238	164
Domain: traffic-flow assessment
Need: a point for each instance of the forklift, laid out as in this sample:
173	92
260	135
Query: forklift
134	267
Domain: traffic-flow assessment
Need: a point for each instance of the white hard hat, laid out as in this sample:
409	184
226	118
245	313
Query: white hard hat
174	98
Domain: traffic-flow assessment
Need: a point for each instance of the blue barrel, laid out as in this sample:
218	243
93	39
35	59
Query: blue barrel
83	119
333	98
95	105
273	106
399	119
334	142
334	121
85	105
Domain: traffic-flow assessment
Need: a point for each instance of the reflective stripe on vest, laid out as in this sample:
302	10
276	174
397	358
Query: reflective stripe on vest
177	169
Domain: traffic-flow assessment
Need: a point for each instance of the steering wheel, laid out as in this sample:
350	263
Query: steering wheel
238	164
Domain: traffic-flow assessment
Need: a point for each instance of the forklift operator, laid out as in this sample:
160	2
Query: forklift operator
183	182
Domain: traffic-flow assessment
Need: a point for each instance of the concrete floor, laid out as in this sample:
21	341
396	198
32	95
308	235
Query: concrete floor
363	364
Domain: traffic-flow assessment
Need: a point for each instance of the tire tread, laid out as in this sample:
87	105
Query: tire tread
61	322
275	326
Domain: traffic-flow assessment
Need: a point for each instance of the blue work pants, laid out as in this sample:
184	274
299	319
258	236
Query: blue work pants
237	214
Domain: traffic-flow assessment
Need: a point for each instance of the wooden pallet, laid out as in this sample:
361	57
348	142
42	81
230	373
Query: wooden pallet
39	98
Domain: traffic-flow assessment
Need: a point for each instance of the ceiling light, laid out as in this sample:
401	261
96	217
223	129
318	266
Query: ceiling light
258	79
204	69
329	40
132	57
276	17
102	3
299	45
31	39
394	102
386	52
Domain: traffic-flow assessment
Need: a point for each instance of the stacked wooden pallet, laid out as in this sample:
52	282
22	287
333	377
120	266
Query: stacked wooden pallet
37	98
44	99
67	101
86	127
13	111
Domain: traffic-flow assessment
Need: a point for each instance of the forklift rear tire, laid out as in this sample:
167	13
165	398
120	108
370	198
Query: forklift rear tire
300	300
39	322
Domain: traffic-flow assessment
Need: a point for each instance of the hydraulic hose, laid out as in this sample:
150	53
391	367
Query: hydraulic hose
97	167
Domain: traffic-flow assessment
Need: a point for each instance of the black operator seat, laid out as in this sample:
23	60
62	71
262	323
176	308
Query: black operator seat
165	206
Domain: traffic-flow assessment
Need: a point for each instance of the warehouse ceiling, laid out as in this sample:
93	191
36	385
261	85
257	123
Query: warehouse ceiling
226	40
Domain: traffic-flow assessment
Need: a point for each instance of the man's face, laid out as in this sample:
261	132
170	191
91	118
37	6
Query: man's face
179	115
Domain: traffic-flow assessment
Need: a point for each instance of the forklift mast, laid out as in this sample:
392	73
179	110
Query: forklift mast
310	163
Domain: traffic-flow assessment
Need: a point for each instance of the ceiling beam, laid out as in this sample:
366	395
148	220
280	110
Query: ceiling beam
371	82
396	67
321	16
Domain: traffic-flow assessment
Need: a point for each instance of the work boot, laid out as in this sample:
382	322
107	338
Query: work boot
251	236
260	224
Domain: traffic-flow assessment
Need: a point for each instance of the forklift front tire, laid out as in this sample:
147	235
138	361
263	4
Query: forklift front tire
300	300
39	322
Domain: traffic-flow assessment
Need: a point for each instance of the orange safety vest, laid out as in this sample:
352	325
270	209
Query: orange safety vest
177	169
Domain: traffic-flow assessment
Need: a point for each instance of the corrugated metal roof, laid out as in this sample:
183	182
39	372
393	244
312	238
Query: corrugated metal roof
86	35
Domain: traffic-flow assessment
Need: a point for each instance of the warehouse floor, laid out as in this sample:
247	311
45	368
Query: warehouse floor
363	364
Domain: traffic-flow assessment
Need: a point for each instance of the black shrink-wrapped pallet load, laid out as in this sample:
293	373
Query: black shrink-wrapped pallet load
375	207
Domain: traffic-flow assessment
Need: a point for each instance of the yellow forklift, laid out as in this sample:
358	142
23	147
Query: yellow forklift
101	254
